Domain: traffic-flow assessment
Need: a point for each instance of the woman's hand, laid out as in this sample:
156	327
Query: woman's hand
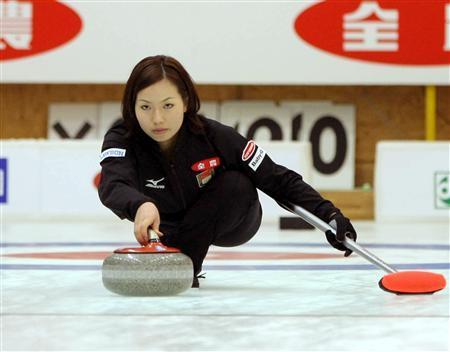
147	216
344	228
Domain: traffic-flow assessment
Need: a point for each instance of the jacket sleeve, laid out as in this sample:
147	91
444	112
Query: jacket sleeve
118	189
277	181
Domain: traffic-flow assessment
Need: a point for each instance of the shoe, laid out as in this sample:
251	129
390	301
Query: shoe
195	283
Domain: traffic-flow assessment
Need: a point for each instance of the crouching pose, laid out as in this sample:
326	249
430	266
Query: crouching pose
191	179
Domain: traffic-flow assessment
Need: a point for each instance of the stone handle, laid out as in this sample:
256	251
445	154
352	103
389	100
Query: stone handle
153	236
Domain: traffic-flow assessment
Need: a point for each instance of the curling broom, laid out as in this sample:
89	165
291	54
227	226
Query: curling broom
404	282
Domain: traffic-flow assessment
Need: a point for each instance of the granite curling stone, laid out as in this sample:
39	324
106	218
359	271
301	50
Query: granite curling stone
152	270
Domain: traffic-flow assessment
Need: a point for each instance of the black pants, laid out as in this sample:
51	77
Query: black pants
227	214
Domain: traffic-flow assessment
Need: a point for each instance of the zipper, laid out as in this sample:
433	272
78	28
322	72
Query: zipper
180	191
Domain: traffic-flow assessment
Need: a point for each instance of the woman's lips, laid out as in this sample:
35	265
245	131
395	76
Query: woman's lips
159	130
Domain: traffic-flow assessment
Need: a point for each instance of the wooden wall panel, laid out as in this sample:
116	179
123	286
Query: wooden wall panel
443	113
383	112
355	204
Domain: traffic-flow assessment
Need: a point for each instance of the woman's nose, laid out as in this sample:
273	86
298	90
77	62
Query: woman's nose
158	117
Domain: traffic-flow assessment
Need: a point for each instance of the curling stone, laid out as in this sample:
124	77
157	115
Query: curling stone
151	270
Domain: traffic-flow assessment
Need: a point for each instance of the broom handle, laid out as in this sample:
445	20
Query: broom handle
348	242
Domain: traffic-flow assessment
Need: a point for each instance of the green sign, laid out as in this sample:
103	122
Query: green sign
442	189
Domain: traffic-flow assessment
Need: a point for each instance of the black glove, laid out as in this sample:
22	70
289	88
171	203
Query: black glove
343	228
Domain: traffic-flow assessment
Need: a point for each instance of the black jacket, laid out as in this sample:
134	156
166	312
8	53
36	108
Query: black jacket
135	171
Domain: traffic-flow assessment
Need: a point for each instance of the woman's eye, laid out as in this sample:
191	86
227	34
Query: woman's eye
145	107
168	106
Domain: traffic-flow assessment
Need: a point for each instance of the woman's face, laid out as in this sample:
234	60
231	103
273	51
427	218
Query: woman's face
160	111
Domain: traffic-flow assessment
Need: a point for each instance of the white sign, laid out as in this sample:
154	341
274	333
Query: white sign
52	179
72	121
24	176
411	181
227	42
329	128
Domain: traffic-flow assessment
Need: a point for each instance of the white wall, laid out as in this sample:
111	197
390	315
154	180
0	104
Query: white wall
412	180
55	179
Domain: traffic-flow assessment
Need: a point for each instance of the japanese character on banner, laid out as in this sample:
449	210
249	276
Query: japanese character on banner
371	28
447	28
17	24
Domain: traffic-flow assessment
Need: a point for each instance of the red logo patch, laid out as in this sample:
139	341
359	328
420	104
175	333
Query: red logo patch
206	164
387	31
33	27
248	150
204	177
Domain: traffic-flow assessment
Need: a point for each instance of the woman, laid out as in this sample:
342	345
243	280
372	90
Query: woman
191	179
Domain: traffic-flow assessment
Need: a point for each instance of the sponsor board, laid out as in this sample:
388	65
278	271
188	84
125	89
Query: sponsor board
33	27
386	31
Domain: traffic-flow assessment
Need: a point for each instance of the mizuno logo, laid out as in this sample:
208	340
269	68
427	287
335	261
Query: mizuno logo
154	184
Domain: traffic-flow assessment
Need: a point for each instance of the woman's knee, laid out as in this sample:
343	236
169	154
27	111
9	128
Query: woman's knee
243	231
240	219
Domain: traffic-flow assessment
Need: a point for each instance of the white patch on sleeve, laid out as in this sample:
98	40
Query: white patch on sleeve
257	159
113	153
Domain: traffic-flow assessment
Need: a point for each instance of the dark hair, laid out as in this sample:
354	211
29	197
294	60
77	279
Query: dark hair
151	70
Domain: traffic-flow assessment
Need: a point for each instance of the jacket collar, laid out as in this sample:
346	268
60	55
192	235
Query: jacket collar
143	140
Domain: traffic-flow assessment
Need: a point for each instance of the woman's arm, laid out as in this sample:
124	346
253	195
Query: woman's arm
118	189
277	181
